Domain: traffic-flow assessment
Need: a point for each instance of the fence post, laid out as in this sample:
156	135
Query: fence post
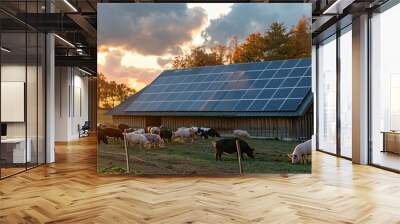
239	156
126	153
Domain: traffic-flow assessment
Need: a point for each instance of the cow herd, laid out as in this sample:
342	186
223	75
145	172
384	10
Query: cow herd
157	137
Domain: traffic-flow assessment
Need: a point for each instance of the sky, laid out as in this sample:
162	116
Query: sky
137	41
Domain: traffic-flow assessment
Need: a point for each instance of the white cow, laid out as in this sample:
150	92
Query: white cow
301	152
155	140
241	133
184	133
139	131
136	139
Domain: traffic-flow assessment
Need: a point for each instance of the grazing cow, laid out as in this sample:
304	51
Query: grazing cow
184	133
101	136
166	134
123	127
154	140
109	132
208	132
301	153
136	139
228	145
139	131
155	130
241	133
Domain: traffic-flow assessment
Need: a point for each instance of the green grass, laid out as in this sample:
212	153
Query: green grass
102	117
199	159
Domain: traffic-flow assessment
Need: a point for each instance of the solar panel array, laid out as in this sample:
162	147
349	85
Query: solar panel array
269	86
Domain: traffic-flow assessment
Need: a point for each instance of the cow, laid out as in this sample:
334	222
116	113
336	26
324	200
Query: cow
228	145
108	132
139	131
136	139
166	134
155	130
154	140
184	133
301	153
123	127
241	133
208	132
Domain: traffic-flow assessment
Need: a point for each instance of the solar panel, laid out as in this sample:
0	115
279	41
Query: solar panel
260	86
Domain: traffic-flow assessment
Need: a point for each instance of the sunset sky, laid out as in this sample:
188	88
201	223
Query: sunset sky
137	41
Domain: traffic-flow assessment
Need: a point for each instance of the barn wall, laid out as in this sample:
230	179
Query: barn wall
269	127
132	121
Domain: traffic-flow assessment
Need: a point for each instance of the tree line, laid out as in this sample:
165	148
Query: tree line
110	93
276	43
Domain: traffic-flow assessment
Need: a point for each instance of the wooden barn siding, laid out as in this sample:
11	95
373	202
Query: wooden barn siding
132	121
270	127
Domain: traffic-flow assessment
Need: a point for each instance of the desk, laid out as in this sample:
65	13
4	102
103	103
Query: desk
13	150
391	141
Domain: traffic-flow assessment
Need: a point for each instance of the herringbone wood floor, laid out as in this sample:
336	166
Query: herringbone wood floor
70	191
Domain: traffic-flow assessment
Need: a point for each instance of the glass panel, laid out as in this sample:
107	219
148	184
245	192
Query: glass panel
306	81
258	105
266	94
282	73
226	105
290	63
299	92
282	93
243	105
259	84
273	105
31	99
290	82
251	94
274	83
14	153
345	94
385	89
290	105
298	72
267	74
327	95
275	64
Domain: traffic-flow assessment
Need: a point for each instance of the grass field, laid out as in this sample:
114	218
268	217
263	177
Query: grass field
198	159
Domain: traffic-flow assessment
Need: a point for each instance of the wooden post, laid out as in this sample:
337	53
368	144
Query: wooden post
239	156
126	153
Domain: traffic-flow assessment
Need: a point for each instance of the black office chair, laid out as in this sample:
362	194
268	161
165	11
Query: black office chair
84	130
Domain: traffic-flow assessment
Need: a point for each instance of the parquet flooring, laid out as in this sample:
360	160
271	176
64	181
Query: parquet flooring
70	191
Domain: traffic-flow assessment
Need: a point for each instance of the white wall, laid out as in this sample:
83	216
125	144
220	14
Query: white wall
71	93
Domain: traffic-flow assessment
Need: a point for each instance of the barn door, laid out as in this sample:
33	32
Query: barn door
153	121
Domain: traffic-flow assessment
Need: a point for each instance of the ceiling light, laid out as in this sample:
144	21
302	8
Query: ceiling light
64	40
70	5
86	72
5	50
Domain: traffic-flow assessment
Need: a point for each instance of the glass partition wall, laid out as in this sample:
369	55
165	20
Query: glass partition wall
385	89
22	95
334	93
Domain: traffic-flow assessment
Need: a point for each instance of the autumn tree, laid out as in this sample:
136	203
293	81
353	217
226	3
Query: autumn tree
251	50
110	93
299	43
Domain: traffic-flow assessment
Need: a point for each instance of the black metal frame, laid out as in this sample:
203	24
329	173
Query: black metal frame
36	164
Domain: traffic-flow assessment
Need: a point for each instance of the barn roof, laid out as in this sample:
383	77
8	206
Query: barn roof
268	88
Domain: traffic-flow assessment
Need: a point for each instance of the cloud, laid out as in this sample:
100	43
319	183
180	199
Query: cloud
246	18
134	77
163	61
148	29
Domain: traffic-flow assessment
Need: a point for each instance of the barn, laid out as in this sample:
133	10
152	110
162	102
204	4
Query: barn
270	99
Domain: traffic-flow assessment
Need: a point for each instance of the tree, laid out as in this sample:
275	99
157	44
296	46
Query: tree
276	42
299	43
251	50
110	94
201	56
